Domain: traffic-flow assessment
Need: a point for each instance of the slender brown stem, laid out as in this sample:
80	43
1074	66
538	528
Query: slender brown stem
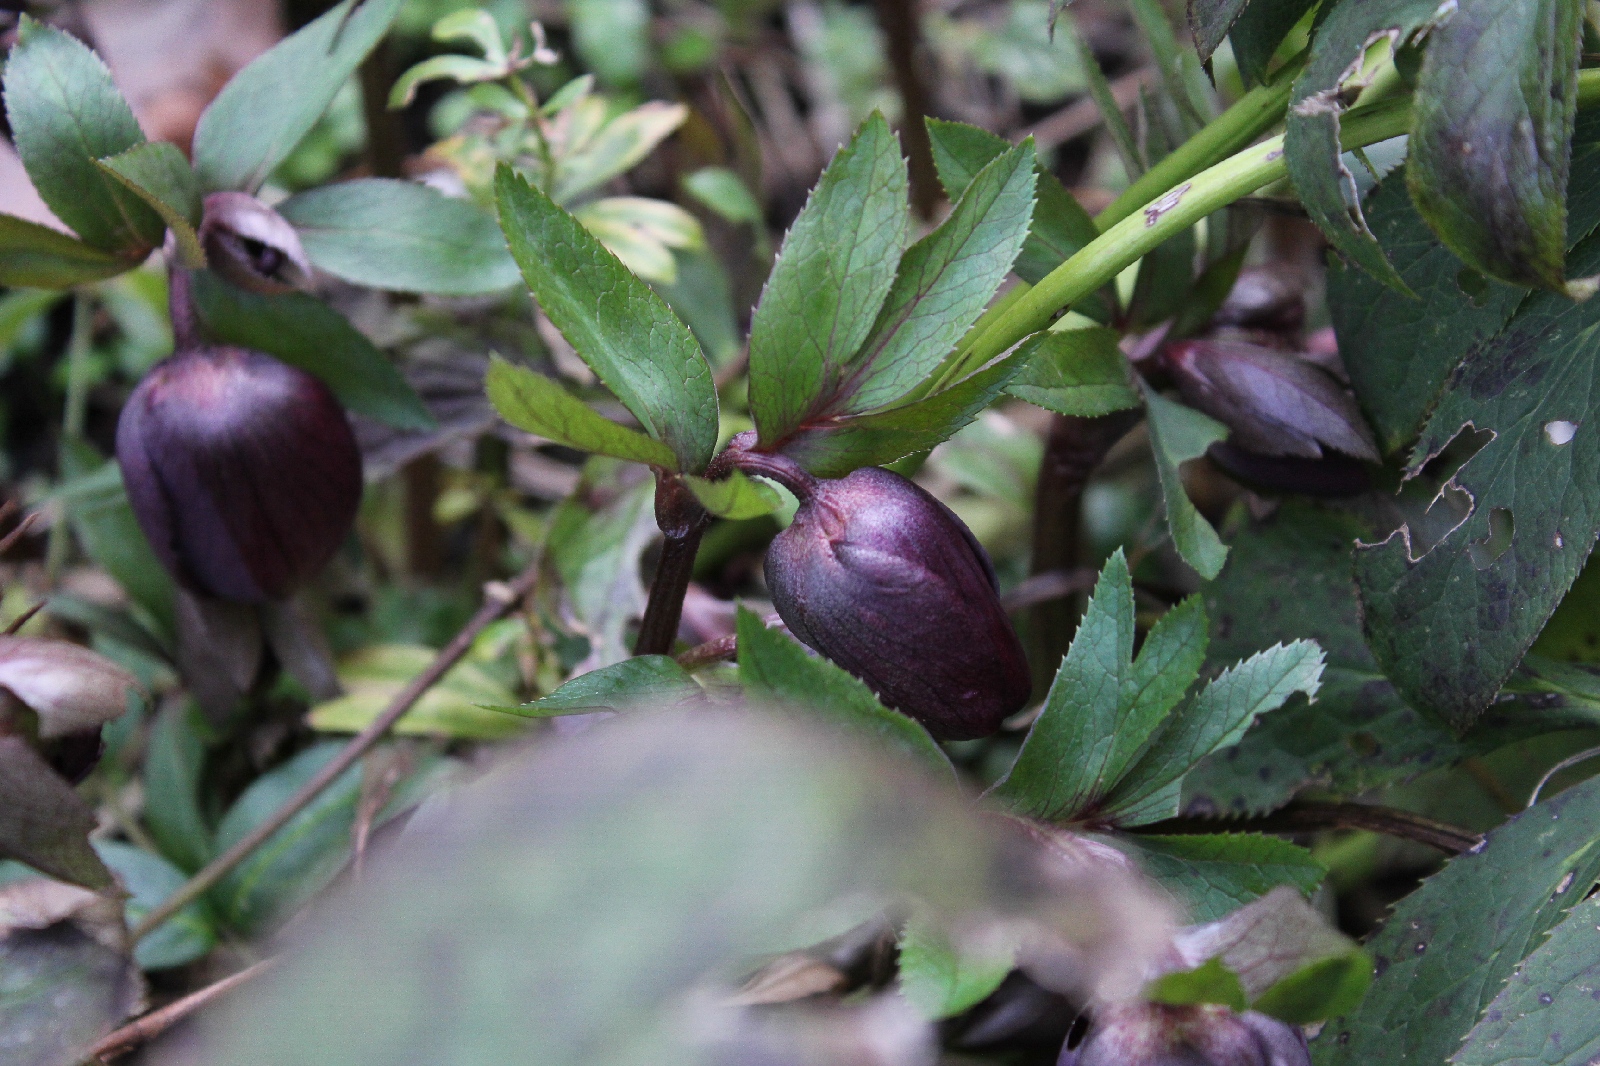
898	19
683	521
499	599
152	1025
1304	817
1075	448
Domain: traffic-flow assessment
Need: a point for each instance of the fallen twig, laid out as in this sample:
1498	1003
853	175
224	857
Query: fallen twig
142	1030
499	599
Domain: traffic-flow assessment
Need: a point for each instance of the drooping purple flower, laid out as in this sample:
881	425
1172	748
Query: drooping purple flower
1154	1034
886	581
243	471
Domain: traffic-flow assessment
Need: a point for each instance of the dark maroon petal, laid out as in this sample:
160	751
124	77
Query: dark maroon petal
245	473
884	580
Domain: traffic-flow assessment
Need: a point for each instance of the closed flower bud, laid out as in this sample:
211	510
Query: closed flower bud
887	582
243	472
252	245
1154	1034
1274	402
68	693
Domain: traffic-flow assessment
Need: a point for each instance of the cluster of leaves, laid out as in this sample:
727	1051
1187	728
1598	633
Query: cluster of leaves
1453	307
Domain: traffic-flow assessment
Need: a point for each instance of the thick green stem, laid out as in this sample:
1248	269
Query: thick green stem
1174	211
1256	112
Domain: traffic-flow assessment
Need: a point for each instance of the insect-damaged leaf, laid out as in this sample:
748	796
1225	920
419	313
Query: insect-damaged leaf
1489	155
1453	943
1449	627
1311	136
831	277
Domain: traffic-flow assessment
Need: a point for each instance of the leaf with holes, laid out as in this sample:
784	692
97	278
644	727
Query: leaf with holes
1311	136
1448	627
832	276
633	342
1488	157
1105	705
1360	734
65	114
1453	943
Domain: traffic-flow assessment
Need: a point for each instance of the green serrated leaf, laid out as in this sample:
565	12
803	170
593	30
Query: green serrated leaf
625	332
65	113
536	403
1213	875
1210	21
1178	434
266	108
1488	167
654	681
943	282
776	669
402	236
1449	627
307	333
159	175
1311	136
942	979
1546	1012
1075	372
619	146
1104	705
1216	718
1060	225
835	447
1210	982
833	274
736	496
724	192
1454	942
40	257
